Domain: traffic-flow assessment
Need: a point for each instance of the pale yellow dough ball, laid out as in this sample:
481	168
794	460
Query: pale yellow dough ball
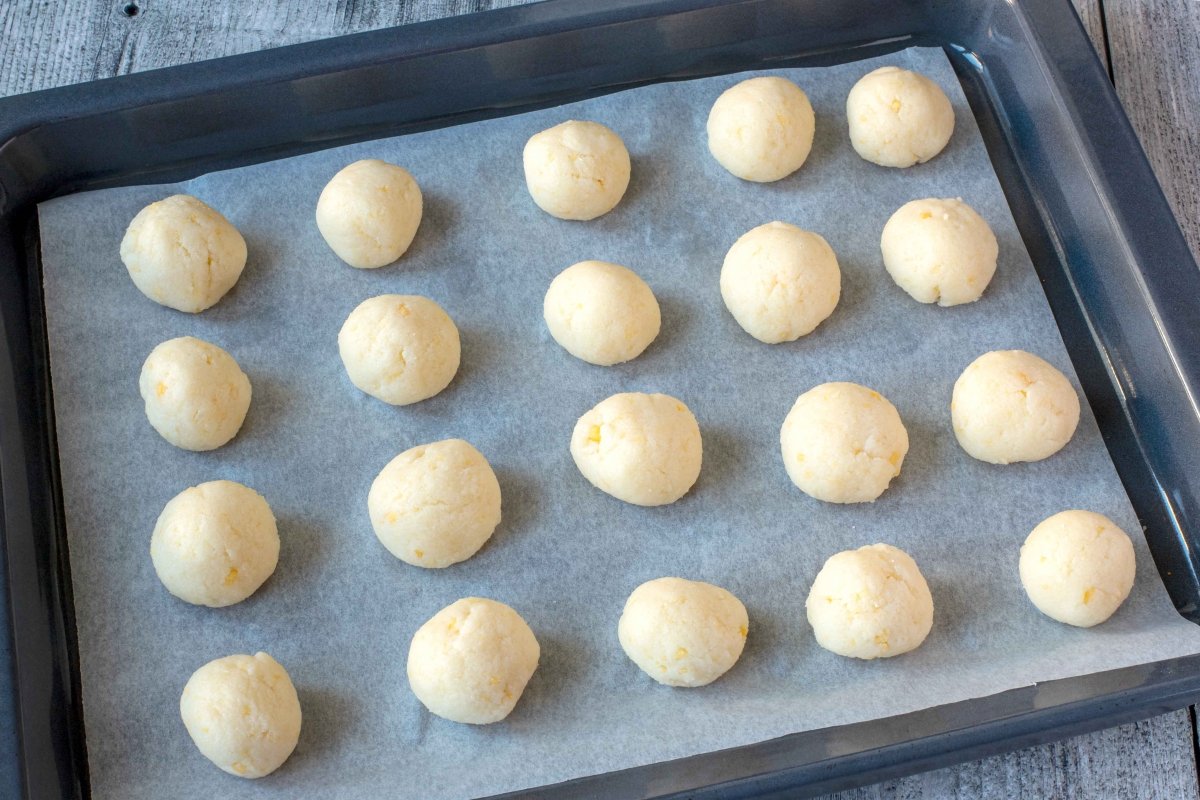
196	396
602	313
471	661
761	129
183	254
644	449
243	714
1077	567
369	213
1009	405
872	602
400	348
681	632
436	504
215	544
576	170
780	282
843	443
898	117
939	251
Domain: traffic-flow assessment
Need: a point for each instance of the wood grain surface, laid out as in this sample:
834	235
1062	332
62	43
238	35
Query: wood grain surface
1155	50
1151	46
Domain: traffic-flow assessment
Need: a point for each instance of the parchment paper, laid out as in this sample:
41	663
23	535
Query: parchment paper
340	611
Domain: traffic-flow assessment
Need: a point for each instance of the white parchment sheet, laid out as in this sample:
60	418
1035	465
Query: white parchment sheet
340	611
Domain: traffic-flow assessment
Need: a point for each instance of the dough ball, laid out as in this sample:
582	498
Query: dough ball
641	448
602	313
1077	567
780	282
436	504
681	632
215	544
869	603
369	213
470	662
761	129
400	348
183	254
1010	405
243	714
843	443
196	395
939	251
898	118
576	170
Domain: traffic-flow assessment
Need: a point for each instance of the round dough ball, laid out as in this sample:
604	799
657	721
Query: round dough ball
602	313
898	117
400	348
780	282
1010	405
761	129
641	448
243	714
939	251
215	544
369	213
843	443
196	395
436	504
681	632
576	170
872	602
470	662
183	254
1077	567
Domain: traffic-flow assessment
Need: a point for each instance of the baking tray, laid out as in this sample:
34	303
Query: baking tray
1081	190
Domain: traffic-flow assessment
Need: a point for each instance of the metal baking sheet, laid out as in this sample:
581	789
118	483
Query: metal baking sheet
340	611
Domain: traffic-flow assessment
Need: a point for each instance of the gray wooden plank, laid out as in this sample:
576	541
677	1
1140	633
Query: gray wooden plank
1155	48
1091	12
44	45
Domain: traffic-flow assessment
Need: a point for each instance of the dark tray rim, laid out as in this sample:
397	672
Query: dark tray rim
52	755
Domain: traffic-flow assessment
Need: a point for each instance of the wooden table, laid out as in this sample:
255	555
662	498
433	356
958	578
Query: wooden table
1151	48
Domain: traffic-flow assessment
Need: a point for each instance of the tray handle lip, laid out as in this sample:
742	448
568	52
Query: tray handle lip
1161	264
31	504
23	112
1175	269
1053	710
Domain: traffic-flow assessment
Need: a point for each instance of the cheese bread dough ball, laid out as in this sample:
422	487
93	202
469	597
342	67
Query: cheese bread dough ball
641	448
898	118
872	602
780	282
1077	567
1010	405
183	254
243	714
400	348
843	443
470	662
602	313
681	632
576	170
369	213
215	544
939	251
436	504
196	395
761	129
